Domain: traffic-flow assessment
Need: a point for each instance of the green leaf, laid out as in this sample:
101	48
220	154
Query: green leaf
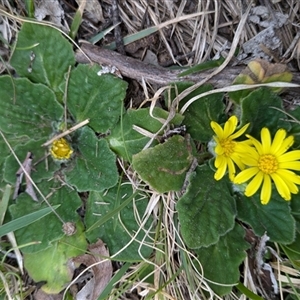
95	164
94	97
295	209
41	169
115	279
207	65
295	126
77	19
115	216
165	165
126	141
260	71
207	210
43	55
49	228
201	112
292	251
25	220
4	150
220	262
27	109
257	109
52	264
4	204
247	292
274	218
29	4
99	36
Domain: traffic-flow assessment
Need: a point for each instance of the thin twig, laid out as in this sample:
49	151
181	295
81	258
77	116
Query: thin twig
81	124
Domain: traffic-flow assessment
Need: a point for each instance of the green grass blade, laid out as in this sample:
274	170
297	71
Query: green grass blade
4	202
134	37
203	66
25	220
75	24
29	4
113	281
247	292
99	36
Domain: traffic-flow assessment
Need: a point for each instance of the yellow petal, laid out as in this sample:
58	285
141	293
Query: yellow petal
249	161
278	140
231	169
237	160
217	129
281	186
289	156
292	165
266	190
254	184
245	175
219	149
230	126
256	144
288	175
240	131
292	187
265	140
286	144
221	170
220	160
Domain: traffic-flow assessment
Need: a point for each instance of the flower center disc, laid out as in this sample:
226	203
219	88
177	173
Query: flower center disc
268	163
228	146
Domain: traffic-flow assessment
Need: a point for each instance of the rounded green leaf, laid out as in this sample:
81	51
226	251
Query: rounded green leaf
52	264
94	168
49	228
221	261
275	218
201	112
295	210
41	169
43	55
164	166
94	97
258	110
207	210
4	150
112	217
27	109
292	251
295	126
126	141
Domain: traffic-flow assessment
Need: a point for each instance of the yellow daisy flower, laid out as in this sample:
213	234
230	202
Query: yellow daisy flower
227	149
269	161
61	149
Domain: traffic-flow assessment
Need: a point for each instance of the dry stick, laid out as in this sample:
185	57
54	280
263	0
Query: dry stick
137	70
81	124
28	176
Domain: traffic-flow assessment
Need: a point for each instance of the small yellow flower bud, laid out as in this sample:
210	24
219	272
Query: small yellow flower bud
61	149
